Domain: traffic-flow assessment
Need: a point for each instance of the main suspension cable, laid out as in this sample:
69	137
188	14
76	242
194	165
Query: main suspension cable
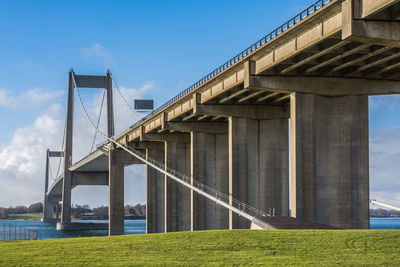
62	148
124	99
98	121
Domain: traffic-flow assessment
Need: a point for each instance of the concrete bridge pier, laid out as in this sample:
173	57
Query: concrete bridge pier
115	195
330	164
50	202
177	197
117	159
209	166
155	187
50	210
258	155
258	165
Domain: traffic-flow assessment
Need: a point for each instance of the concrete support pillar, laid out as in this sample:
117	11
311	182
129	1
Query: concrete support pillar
330	160
209	166
67	180
155	213
110	105
57	211
258	166
46	209
177	196
115	194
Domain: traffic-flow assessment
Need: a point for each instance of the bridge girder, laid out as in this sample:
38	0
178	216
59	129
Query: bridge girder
357	27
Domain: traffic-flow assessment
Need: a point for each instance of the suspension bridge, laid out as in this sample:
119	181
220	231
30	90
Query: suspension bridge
217	154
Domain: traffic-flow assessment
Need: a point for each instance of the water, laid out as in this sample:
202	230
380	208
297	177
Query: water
385	223
47	230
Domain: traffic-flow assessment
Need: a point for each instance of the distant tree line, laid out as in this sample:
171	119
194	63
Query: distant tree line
384	213
137	211
34	208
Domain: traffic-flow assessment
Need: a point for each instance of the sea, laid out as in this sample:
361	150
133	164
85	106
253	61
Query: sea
46	230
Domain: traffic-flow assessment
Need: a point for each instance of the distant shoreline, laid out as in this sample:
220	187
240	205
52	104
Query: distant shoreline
38	216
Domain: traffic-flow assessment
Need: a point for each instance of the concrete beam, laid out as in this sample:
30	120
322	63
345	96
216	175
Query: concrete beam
329	86
367	8
204	127
375	63
362	58
56	154
126	158
314	57
157	145
165	137
260	112
337	58
354	28
89	178
90	81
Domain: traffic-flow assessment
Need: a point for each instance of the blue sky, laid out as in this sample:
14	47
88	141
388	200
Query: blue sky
155	49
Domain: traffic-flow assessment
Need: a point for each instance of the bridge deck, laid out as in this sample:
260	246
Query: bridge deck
310	49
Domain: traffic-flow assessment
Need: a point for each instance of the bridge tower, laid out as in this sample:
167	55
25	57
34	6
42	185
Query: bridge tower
115	172
50	203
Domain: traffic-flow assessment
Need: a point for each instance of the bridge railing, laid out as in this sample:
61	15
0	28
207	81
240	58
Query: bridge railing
285	26
12	232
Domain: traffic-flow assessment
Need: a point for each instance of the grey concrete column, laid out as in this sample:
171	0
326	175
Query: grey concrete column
258	165
115	194
46	212
330	159
209	166
155	214
177	196
110	105
57	211
67	180
48	209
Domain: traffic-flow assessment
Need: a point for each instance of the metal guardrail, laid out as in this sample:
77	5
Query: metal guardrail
290	23
8	232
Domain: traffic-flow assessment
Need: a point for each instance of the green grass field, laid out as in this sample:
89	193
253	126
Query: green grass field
217	248
26	216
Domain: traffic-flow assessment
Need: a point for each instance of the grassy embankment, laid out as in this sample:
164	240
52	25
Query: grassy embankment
238	247
26	216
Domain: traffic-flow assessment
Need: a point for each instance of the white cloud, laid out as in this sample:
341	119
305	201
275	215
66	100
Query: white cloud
22	160
31	98
97	52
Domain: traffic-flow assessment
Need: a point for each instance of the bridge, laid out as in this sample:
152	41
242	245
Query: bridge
217	154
